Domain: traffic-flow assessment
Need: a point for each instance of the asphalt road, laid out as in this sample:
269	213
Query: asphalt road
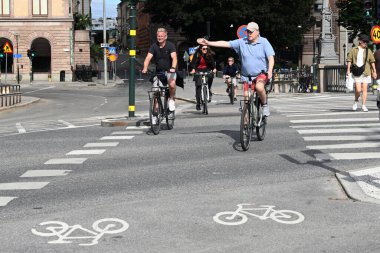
171	189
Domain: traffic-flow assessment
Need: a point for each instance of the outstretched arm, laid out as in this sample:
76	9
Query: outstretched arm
220	43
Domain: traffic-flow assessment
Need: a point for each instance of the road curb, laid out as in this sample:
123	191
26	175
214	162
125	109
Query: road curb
22	104
352	189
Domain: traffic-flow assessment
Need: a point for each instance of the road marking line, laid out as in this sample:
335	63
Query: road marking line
331	114
338	125
23	185
365	172
28	92
5	200
101	144
66	161
127	132
87	152
339	130
45	173
68	124
136	127
346	145
117	138
347	156
333	120
342	138
20	128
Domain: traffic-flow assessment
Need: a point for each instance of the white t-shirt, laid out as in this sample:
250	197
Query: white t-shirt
360	59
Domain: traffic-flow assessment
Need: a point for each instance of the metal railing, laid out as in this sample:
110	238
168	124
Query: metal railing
10	94
334	78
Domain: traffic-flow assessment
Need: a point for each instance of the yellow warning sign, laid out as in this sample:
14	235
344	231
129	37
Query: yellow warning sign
7	48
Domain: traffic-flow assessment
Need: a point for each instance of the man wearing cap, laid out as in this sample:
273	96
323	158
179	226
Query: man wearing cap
256	55
361	56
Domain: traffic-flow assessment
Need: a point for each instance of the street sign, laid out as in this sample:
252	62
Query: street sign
186	56
104	45
242	31
17	56
192	50
7	48
112	57
375	34
112	50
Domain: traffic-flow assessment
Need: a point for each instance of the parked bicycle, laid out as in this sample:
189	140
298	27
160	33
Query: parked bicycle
241	214
252	115
205	92
158	109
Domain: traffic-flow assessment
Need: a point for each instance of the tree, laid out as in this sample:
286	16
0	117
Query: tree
352	17
278	19
81	22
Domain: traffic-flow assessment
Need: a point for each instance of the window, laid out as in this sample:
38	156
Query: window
40	7
4	7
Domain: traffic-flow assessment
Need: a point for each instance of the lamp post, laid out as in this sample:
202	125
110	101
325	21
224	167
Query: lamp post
18	68
344	54
300	47
104	41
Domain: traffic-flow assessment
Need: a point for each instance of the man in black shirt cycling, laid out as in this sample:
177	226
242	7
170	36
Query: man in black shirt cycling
165	56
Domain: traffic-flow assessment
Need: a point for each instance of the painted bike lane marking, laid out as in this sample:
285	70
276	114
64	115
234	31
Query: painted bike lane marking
241	214
64	232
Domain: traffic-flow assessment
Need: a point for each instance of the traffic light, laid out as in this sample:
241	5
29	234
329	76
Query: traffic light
368	8
31	54
1	52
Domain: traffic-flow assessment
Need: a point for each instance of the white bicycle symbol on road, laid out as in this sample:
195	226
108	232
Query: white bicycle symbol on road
63	231
240	216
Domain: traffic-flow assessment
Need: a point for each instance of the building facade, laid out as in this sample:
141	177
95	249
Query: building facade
47	28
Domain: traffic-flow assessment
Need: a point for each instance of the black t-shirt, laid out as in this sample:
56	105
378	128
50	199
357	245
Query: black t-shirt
230	70
162	55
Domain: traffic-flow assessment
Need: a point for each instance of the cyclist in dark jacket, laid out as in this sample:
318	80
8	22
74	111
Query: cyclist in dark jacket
231	71
202	61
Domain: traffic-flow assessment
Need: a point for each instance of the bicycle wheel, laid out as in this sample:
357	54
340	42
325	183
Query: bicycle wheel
53	228
227	218
169	116
287	216
261	121
155	113
110	225
231	93
245	127
205	99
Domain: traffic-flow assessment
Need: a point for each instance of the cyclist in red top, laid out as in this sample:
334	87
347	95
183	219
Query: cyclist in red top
202	61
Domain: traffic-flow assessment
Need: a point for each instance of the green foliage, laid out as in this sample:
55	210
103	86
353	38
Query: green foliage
278	19
81	22
96	52
352	17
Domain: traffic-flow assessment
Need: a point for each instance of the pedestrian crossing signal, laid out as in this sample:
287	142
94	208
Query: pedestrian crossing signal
31	54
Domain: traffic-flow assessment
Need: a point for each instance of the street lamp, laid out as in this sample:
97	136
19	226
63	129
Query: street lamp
301	46
18	68
344	54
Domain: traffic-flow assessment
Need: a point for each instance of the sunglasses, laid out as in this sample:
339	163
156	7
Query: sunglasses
250	32
204	48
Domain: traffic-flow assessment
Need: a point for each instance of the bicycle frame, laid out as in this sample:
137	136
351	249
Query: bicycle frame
204	89
268	209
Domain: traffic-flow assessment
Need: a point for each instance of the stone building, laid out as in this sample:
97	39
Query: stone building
47	28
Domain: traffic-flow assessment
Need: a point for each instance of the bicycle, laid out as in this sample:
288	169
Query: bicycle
205	92
240	216
231	88
158	109
252	115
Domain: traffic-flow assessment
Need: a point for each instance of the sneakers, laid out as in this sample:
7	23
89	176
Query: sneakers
198	107
355	106
364	108
235	99
171	105
266	112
